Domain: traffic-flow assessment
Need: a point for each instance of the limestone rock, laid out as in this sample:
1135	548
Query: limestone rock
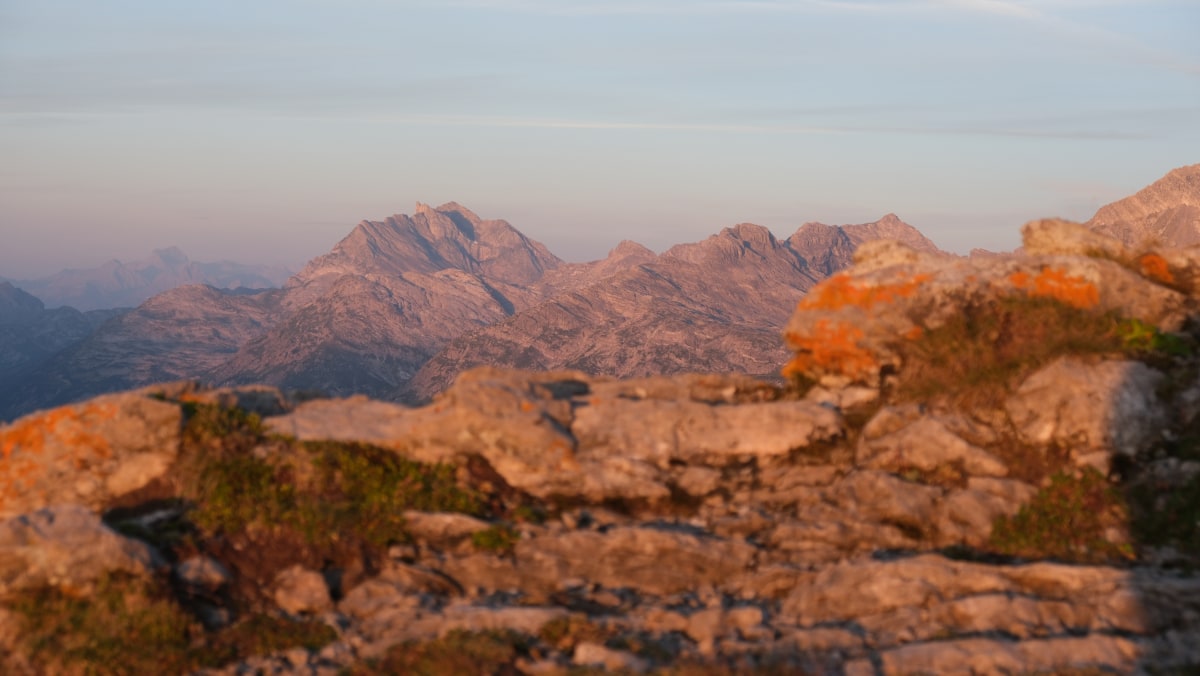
86	453
1053	236
66	547
923	444
300	591
595	655
203	572
663	431
1111	406
653	560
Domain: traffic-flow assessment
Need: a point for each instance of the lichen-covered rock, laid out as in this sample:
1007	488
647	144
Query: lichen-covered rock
86	453
856	323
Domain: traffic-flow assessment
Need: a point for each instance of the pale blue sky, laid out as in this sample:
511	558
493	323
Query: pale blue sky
263	130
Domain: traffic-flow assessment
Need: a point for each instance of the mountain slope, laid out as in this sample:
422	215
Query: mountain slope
713	305
30	334
178	334
1167	212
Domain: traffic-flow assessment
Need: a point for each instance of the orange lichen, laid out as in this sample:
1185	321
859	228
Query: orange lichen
71	426
841	290
1154	266
1057	284
831	347
914	333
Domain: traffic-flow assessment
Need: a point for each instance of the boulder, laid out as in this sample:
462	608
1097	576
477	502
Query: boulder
67	547
1109	406
86	453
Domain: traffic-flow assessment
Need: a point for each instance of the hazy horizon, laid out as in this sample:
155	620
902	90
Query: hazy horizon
263	133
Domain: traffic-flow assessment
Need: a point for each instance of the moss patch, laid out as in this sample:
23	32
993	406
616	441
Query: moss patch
1068	520
974	358
134	626
459	652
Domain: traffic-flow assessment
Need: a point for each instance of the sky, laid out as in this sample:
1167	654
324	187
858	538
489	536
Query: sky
263	130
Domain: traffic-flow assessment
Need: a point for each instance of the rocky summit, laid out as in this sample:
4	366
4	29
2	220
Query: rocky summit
979	466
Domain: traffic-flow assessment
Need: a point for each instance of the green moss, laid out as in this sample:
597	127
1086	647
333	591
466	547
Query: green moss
134	626
499	539
326	490
127	627
210	424
459	652
364	490
236	491
1067	520
975	357
264	634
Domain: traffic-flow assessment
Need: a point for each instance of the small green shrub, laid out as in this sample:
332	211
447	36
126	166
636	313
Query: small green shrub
1067	520
364	490
236	491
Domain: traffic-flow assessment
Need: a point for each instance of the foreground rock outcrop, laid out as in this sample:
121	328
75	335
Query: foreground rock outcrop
983	466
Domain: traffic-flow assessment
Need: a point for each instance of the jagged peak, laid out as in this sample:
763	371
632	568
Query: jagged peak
751	232
628	247
456	208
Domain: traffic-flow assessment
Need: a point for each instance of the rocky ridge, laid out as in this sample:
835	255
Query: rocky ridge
943	489
401	306
706	306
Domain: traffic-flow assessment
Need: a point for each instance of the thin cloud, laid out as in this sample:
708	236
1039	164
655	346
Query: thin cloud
1003	130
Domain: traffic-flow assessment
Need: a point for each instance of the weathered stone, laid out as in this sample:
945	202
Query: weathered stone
1054	236
658	431
301	591
1110	406
924	444
595	655
699	481
705	627
651	560
442	528
202	572
66	547
86	453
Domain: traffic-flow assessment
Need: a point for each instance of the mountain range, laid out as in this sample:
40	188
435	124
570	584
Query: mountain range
400	306
116	284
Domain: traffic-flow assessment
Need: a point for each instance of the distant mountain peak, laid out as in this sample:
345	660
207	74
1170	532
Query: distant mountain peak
1166	212
628	247
450	237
